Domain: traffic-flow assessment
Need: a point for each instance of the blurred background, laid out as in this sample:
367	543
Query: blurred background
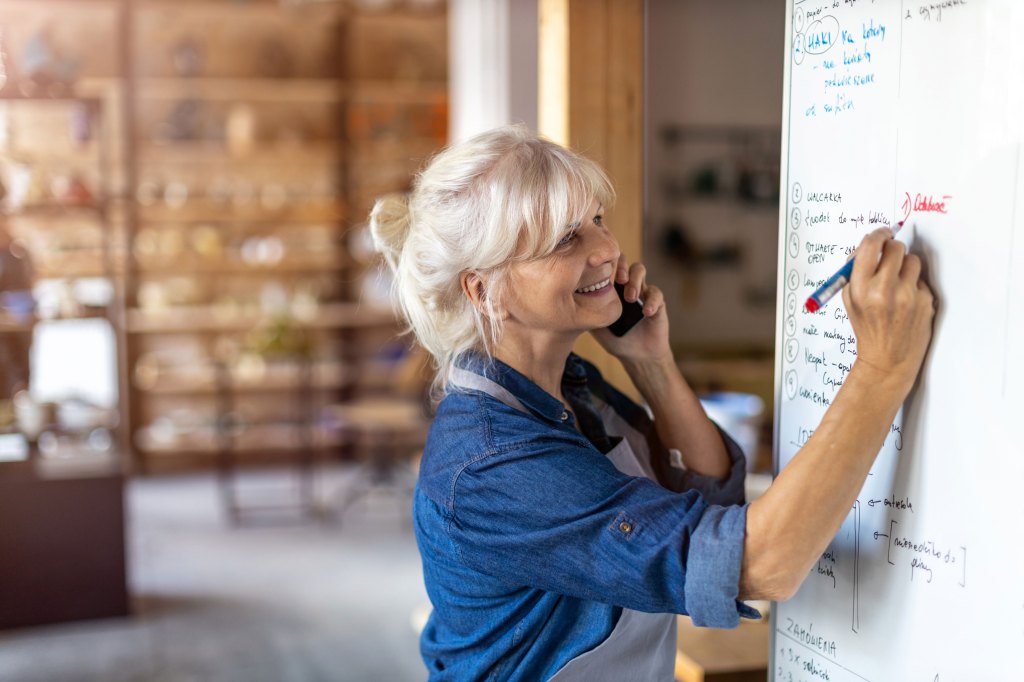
209	423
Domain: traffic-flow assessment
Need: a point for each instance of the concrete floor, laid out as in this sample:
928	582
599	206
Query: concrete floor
275	602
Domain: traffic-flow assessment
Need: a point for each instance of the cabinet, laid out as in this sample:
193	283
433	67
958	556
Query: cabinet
56	562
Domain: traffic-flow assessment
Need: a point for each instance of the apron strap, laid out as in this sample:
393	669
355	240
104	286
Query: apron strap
466	379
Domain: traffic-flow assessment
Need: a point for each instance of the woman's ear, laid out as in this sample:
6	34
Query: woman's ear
475	288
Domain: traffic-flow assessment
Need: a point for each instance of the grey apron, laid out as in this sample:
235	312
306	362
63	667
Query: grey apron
641	646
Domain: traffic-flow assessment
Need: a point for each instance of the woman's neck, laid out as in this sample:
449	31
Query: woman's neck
541	360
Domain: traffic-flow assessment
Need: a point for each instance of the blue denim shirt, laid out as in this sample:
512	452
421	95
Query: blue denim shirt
519	521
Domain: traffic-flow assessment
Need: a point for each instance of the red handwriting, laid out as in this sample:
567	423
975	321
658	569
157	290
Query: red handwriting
924	203
927	204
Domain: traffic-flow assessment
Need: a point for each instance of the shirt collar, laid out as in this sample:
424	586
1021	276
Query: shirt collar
526	391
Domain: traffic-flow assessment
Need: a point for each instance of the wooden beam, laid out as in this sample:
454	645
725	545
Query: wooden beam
591	74
553	70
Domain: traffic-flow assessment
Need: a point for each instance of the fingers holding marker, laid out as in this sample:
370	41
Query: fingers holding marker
910	272
864	262
891	262
869	254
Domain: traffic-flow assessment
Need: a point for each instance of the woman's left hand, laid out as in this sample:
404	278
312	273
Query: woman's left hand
648	340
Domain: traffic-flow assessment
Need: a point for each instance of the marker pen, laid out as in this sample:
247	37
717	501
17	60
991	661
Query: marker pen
834	284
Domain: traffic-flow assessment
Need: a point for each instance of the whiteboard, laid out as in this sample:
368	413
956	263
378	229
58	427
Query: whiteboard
913	110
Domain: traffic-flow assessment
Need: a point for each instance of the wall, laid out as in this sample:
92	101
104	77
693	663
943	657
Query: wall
713	63
721	61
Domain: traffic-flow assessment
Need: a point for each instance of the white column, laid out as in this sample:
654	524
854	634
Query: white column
492	65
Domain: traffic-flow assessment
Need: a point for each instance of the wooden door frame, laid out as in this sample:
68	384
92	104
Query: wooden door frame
590	83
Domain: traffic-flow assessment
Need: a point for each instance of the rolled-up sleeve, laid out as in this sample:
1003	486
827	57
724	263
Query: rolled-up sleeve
560	517
712	586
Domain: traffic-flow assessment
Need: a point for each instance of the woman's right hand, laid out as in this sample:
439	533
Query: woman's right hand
891	310
890	307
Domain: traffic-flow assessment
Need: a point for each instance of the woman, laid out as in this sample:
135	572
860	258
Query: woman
560	527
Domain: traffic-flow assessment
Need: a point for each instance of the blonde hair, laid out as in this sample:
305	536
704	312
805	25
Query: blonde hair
504	196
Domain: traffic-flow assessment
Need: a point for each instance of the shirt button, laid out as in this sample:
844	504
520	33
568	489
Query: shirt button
565	415
625	526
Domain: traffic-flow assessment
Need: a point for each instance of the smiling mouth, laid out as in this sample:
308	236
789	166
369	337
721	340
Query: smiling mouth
594	287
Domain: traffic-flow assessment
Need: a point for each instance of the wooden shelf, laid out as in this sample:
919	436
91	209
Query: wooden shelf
399	92
190	319
232	9
213	269
321	379
63	153
77	272
74	96
389	10
268	386
264	153
56	210
11	323
252	438
99	87
274	90
209	211
390	149
50	5
96	314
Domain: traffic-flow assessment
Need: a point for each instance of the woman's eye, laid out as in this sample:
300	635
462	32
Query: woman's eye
598	220
568	239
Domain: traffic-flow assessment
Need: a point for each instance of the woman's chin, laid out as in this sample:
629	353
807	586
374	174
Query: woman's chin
607	320
599	317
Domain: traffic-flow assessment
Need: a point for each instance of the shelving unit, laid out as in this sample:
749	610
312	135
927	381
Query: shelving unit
259	151
62	499
57	210
248	142
236	109
231	150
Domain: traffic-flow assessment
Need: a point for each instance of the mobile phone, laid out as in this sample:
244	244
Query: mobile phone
632	312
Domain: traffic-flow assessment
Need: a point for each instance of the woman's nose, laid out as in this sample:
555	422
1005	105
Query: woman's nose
605	249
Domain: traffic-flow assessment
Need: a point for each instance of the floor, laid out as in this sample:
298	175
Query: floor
275	601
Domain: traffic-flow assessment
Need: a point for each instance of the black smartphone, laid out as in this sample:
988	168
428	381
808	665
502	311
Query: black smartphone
632	312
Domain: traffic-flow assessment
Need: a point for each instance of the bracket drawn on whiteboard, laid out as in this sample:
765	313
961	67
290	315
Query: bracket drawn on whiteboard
855	625
888	549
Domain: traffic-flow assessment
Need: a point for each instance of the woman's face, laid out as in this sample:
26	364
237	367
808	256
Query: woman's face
570	291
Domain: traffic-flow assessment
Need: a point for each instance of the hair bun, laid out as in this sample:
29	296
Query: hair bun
389	226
